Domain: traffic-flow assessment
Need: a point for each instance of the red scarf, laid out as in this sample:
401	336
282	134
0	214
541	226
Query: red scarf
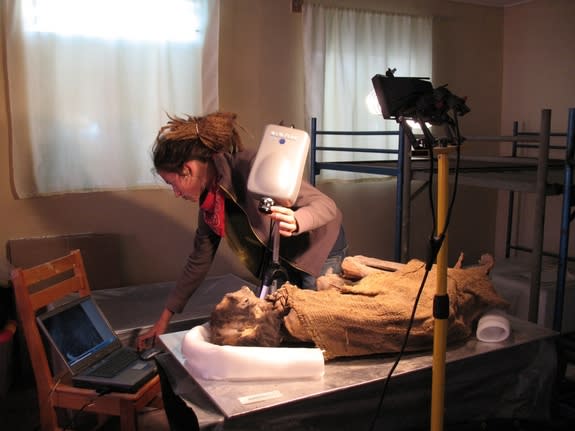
213	207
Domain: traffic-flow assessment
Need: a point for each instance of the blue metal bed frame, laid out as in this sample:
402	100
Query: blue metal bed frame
402	168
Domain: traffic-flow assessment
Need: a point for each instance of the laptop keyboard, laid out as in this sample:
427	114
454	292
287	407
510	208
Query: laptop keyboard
116	364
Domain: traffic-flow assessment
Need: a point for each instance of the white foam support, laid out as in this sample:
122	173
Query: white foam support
493	327
213	362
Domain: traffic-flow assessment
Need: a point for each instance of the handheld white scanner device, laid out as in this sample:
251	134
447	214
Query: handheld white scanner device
275	178
278	166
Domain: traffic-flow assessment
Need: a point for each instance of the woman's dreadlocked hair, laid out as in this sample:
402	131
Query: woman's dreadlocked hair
194	138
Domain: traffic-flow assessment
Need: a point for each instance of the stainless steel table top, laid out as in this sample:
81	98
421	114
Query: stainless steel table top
133	308
346	374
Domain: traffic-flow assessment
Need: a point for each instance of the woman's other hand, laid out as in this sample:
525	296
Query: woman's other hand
148	338
286	218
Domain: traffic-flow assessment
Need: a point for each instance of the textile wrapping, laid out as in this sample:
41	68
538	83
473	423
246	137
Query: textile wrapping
372	315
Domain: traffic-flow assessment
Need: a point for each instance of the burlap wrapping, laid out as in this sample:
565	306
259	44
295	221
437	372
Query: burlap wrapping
372	316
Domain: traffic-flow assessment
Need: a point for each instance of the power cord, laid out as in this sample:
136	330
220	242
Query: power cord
72	422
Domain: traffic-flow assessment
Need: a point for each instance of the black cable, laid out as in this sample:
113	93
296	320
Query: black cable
401	351
456	175
72	422
430	190
436	240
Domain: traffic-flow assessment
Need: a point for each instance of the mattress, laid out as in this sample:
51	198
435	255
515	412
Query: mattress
512	278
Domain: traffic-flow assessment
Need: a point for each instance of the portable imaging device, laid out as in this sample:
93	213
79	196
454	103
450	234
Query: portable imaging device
278	166
275	179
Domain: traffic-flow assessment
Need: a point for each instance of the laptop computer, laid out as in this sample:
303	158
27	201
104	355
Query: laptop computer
91	350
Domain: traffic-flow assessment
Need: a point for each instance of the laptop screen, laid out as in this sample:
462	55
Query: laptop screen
79	332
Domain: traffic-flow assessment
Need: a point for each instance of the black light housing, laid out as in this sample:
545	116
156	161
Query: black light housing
398	96
416	99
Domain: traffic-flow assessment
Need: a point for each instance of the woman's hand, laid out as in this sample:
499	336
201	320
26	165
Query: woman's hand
148	338
286	218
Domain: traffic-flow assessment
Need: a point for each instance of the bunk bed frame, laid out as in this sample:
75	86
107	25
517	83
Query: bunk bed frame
541	175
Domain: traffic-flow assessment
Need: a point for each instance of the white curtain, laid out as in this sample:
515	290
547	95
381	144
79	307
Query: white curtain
90	83
343	50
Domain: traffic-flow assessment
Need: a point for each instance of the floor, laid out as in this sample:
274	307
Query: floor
18	412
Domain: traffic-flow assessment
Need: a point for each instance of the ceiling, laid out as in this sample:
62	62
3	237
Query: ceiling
494	3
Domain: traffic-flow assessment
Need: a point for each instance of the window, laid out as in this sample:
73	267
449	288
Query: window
90	83
343	49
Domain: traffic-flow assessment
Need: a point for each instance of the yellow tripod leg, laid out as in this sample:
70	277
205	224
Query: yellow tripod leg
440	322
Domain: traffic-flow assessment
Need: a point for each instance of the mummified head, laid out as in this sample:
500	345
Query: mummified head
243	319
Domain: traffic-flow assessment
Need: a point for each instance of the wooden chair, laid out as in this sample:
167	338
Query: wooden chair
34	289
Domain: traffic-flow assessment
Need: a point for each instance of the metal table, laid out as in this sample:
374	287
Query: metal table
511	379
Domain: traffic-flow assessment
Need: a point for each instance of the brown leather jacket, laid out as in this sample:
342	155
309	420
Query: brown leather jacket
248	230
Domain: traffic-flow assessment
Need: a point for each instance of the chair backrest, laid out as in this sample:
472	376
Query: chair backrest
34	289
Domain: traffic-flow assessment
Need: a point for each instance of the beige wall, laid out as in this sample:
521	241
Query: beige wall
538	71
261	78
